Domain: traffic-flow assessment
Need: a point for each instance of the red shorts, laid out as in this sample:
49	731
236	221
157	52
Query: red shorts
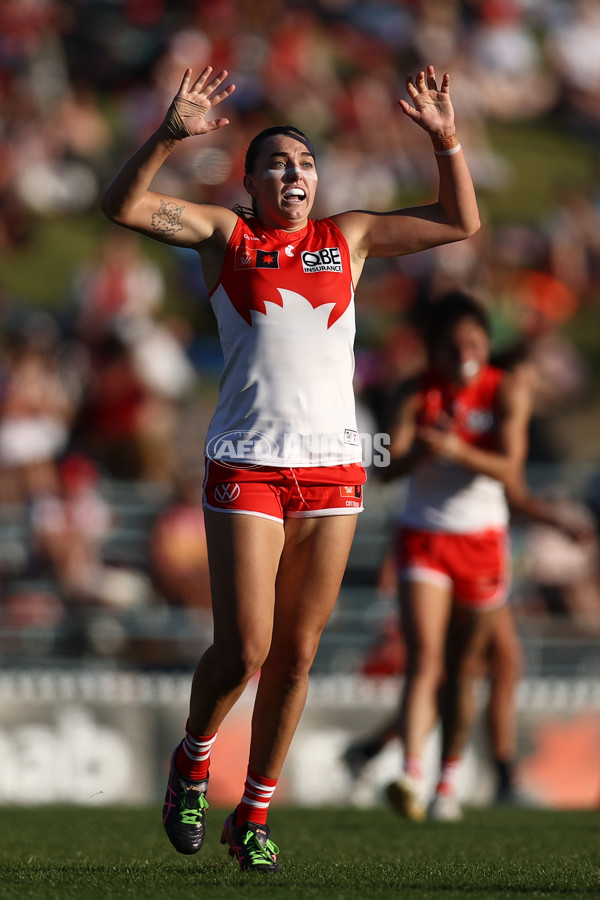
476	566
277	492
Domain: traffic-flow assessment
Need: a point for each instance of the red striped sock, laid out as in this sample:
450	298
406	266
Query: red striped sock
193	756
254	805
413	766
448	776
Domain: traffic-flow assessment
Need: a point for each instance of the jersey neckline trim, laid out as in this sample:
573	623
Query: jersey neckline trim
278	233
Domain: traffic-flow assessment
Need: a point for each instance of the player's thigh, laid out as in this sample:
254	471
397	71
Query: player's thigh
244	552
425	611
311	569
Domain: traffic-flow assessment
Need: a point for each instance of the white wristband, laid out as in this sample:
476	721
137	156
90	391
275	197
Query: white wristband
450	152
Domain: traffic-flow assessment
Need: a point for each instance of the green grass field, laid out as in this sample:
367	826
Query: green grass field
339	854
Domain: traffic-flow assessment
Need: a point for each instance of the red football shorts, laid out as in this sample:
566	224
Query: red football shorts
277	492
475	566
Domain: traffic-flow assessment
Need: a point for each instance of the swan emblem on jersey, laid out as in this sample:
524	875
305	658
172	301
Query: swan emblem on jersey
277	296
314	279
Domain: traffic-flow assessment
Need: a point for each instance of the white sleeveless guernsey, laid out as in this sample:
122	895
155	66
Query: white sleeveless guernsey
284	304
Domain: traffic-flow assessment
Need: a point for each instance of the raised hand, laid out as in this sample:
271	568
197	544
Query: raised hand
432	109
186	117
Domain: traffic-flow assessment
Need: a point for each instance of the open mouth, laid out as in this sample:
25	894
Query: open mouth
295	195
469	368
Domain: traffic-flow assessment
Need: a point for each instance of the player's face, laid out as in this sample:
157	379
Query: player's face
283	182
463	354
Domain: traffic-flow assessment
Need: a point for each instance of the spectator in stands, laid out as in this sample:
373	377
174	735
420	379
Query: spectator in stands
116	290
515	82
562	585
36	413
178	553
570	50
69	527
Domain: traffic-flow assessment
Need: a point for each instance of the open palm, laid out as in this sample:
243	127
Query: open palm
194	101
432	109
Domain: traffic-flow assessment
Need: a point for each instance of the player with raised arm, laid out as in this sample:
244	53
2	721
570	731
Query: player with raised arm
284	473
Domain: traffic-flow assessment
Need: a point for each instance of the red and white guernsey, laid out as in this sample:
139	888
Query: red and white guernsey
443	496
285	309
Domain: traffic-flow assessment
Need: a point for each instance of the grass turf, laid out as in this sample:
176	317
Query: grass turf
339	854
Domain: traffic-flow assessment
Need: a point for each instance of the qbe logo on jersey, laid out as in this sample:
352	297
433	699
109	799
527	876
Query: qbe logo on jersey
329	259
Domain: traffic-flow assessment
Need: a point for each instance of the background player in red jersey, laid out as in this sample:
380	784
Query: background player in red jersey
461	434
276	568
461	431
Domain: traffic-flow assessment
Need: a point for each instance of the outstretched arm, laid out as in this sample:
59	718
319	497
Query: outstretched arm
129	200
524	502
453	217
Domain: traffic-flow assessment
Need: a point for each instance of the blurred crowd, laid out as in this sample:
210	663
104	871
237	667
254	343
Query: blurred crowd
109	387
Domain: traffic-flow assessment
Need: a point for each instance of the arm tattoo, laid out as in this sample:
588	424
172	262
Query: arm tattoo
168	218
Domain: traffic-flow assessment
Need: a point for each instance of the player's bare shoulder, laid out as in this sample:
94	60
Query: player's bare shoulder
515	392
212	249
353	225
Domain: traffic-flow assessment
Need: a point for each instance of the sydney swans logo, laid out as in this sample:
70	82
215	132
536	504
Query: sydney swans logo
327	262
282	297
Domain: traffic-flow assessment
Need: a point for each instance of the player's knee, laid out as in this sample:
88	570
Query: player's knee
466	668
238	667
426	662
294	661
